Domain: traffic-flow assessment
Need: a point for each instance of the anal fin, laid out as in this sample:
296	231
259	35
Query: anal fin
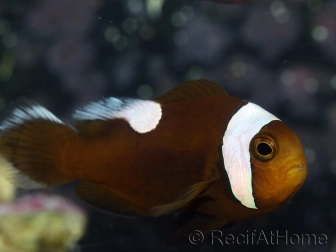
105	198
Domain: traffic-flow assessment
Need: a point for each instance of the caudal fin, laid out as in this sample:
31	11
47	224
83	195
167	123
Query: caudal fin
32	142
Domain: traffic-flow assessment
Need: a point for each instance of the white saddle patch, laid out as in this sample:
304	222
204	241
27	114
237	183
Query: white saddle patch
142	115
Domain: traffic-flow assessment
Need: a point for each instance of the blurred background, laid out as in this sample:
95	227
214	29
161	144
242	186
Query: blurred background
278	54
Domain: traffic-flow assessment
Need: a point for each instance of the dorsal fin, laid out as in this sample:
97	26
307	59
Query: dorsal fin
192	90
91	128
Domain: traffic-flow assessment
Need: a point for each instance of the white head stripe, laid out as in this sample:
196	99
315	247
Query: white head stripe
142	115
243	126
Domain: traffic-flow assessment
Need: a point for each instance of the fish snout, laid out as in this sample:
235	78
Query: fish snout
298	173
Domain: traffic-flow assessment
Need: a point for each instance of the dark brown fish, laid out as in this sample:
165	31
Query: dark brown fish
195	150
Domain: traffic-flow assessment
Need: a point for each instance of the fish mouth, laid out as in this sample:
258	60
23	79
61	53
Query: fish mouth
289	183
298	173
296	176
299	167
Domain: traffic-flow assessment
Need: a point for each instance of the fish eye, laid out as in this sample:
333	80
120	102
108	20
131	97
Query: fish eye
263	148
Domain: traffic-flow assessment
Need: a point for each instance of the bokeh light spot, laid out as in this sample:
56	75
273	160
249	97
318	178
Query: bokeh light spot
320	33
310	85
121	43
279	11
238	69
287	78
135	6
145	92
188	11
195	72
112	34
178	19
130	25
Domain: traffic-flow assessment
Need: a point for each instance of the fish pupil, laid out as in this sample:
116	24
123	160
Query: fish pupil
264	149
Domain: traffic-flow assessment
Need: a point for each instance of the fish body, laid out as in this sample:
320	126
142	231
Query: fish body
214	158
160	155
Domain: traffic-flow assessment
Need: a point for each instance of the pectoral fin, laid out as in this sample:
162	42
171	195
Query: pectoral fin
185	199
105	198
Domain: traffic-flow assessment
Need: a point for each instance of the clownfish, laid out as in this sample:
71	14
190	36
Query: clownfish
214	158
